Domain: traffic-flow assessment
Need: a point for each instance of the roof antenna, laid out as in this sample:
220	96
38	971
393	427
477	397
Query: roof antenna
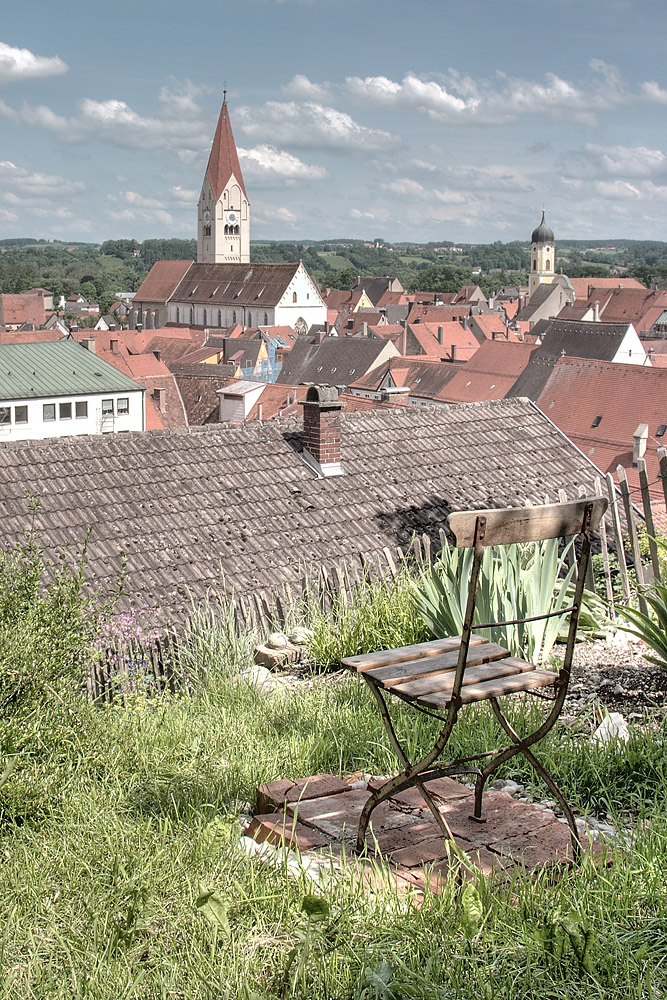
224	93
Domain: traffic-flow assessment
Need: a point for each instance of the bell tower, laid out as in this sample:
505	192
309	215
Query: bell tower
542	256
223	211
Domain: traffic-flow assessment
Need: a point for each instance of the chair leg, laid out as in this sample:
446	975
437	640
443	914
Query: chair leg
523	747
409	775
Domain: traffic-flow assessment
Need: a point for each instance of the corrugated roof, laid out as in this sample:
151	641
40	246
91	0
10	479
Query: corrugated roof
61	368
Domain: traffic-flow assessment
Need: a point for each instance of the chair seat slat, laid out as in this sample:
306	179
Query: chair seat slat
495	688
400	673
444	681
418	651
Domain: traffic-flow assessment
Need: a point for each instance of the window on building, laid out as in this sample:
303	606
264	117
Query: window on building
266	319
49	411
123	405
234	316
219	318
178	315
293	296
81	408
661	430
65	411
534	265
548	265
20	414
5	415
597	421
107	407
192	315
249	319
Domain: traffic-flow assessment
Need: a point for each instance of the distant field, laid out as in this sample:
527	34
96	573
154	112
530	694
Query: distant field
335	260
410	259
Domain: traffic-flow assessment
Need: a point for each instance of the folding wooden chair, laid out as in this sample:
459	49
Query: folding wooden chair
441	677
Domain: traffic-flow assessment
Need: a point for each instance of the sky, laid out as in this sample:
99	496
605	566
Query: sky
416	120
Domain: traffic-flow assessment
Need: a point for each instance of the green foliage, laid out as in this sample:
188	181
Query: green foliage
516	581
47	629
651	627
379	614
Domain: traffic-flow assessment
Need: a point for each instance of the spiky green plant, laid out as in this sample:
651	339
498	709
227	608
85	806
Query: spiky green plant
516	581
652	630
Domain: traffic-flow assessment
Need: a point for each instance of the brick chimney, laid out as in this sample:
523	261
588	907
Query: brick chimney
113	344
321	430
640	439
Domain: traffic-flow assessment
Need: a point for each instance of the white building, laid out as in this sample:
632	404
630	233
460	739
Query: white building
58	389
221	295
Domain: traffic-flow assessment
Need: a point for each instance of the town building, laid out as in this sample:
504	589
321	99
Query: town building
59	389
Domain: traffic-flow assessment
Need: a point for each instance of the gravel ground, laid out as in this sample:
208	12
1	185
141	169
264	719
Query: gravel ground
616	672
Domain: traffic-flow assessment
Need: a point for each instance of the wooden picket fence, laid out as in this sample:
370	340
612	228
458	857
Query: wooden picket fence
155	666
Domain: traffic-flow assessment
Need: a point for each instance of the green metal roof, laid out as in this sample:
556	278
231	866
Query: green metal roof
57	368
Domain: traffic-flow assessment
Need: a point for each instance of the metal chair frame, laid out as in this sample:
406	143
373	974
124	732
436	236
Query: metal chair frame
587	514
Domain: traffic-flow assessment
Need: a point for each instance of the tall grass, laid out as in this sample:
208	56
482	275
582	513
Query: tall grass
122	877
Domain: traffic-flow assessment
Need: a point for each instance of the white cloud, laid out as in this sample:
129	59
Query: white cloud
179	123
303	89
653	92
311	126
597	161
406	187
185	195
22	64
267	161
35	185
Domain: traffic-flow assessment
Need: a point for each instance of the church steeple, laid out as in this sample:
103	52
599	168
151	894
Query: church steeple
223	212
542	256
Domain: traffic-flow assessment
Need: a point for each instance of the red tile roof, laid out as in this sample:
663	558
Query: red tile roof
583	285
27	307
224	159
490	374
453	334
624	396
29	336
162	280
438	314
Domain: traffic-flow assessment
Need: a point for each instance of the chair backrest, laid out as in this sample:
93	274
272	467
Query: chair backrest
508	525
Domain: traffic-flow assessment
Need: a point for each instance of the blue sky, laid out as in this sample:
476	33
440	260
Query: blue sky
419	120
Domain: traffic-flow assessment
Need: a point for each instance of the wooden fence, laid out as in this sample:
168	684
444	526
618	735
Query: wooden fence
156	666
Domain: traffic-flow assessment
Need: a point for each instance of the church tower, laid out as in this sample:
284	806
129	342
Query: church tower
542	257
223	211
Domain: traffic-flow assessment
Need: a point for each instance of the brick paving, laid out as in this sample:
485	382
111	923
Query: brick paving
321	814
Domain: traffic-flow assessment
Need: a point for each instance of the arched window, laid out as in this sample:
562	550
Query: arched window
534	265
178	315
293	296
249	319
204	317
219	318
547	266
226	230
266	319
192	315
234	316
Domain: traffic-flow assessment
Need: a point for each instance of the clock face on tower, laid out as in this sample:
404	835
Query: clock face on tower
207	216
232	217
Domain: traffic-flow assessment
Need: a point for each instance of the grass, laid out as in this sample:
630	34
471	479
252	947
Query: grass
121	874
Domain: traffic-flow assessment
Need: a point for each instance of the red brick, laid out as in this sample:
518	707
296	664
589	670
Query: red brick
272	828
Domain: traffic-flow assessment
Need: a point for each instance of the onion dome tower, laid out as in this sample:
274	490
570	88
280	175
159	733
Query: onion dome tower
542	256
